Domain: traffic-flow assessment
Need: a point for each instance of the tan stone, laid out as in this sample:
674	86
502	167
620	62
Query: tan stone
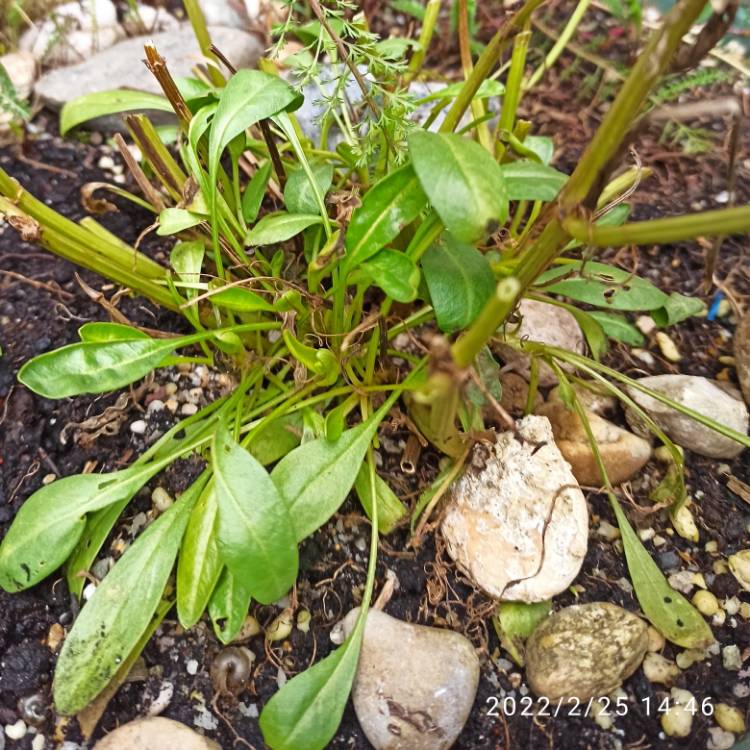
515	394
155	733
623	453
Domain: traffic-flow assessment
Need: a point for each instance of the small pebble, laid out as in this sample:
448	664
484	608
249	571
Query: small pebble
719	739
55	636
684	524
719	618
607	531
645	534
106	162
155	406
745	611
602	716
48	479
645	324
161	499
89	590
712	546
171	405
192	666
706	603
729	718
686	659
676	721
170	389
660	670
281	627
731	658
659	541
189	409
16	731
138	427
668	347
655	640
39	742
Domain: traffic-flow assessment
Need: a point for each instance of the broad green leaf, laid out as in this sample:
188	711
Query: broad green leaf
395	273
666	609
488	371
109	103
255	534
113	620
602	285
530	180
240	299
592	330
677	308
460	281
390	509
410	7
279	227
316	477
390	205
277	439
187	260
174	220
228	606
94	367
619	328
199	564
46	529
464	184
97	333
394	47
193	90
299	195
306	712
515	621
487	89
254	192
543	146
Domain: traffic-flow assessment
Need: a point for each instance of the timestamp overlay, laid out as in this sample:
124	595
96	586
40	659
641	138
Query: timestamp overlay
620	706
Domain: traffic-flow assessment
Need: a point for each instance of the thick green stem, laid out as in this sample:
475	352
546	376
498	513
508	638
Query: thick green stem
431	13
658	231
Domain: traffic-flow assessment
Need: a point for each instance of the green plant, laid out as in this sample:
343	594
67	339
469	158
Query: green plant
299	306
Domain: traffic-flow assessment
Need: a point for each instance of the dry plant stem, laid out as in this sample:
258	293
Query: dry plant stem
477	107
158	67
146	187
708	38
166	168
587	180
487	60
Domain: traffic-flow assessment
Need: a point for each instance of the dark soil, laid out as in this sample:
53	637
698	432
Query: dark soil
42	307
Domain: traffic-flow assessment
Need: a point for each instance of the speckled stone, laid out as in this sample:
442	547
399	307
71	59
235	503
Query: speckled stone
155	734
585	651
415	685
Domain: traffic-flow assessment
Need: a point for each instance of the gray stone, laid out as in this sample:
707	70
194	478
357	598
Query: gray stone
229	13
155	734
516	522
742	355
145	19
547	324
719	401
121	66
415	685
585	651
21	69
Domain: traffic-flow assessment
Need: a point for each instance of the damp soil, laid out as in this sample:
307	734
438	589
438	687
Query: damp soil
42	304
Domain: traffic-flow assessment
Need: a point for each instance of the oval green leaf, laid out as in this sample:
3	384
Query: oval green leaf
279	227
109	103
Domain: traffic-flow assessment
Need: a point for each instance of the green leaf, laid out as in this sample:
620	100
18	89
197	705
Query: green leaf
240	300
228	606
530	180
199	564
11	103
487	89
49	524
254	192
280	437
112	621
174	220
515	621
97	333
594	333
464	184
677	308
255	533
390	509
389	206
602	285
460	281
94	367
306	712
187	260
299	194
666	609
279	227
395	273
109	103
316	477
542	145
619	328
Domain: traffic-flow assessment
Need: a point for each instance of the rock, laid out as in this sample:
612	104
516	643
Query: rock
623	453
415	685
719	739
584	651
74	31
739	564
706	603
591	398
729	718
716	400
225	13
145	19
516	522
515	392
156	733
21	69
742	355
121	67
676	721
659	669
548	324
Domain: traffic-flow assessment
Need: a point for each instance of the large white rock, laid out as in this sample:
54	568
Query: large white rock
146	19
121	66
545	323
719	401
585	651
415	685
517	522
155	734
230	13
21	69
73	32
